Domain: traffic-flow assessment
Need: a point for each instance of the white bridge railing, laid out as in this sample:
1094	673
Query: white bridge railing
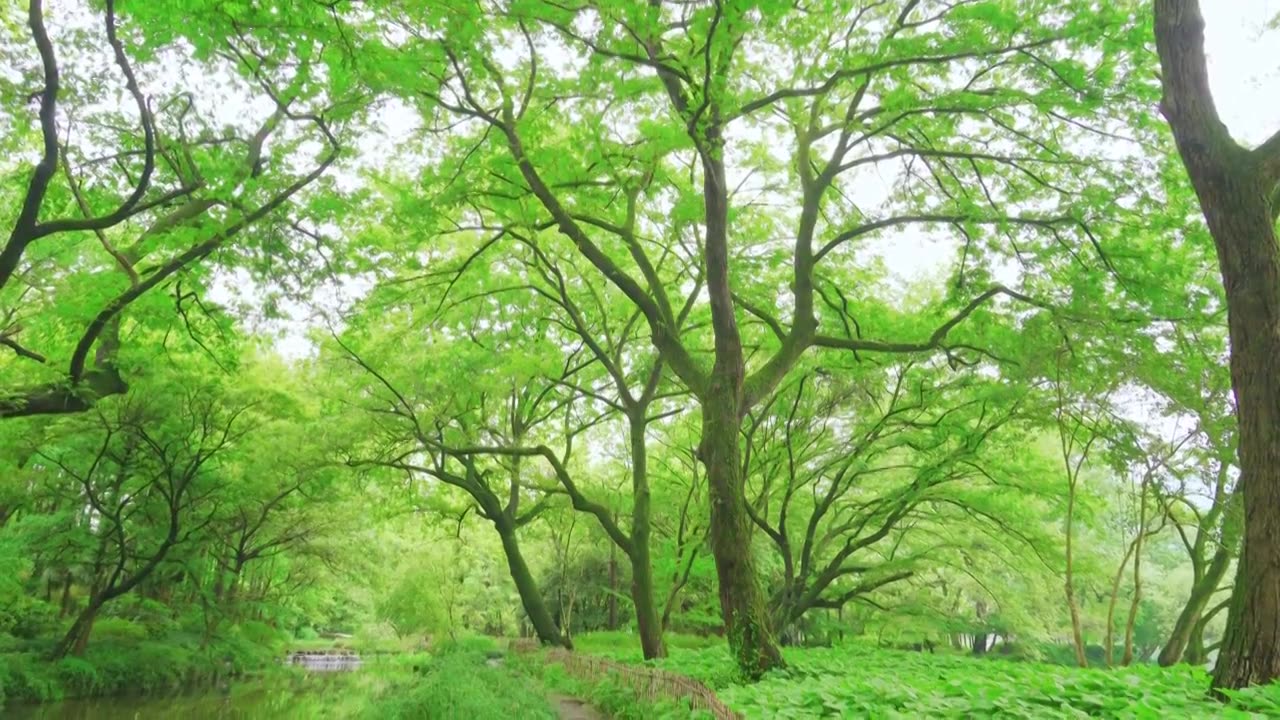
325	662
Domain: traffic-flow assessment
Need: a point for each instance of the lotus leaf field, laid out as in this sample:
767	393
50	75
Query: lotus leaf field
861	681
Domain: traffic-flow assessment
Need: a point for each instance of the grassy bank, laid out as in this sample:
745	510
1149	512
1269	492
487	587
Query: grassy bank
126	659
466	680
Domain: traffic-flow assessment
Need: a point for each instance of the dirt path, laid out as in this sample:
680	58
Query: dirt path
571	708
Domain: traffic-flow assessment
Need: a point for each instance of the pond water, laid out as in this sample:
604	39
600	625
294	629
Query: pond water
320	694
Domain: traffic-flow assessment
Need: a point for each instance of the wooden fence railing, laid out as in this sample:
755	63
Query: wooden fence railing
650	684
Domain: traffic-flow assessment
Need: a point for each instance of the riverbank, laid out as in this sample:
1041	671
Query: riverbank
466	679
146	668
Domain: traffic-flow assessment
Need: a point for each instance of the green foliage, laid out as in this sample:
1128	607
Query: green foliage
862	681
462	683
523	275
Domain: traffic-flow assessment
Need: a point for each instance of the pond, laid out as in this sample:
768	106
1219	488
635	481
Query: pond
323	693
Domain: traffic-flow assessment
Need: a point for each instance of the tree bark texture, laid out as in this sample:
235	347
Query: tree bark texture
1235	187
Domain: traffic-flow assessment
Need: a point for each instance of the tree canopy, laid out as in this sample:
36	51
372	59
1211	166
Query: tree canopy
912	321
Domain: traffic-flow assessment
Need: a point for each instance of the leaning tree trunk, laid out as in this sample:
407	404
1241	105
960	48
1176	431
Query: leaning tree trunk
1189	618
544	626
1235	188
1197	652
741	602
1180	636
76	641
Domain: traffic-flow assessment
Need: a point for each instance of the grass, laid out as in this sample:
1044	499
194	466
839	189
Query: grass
868	682
460	684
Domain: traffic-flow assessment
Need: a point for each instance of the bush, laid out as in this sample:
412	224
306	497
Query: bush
27	678
77	676
118	630
29	618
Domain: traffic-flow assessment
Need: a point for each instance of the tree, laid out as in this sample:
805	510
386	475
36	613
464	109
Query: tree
456	435
190	188
1239	193
147	490
691	104
854	471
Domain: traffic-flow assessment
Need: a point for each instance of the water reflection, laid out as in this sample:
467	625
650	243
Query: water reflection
323	695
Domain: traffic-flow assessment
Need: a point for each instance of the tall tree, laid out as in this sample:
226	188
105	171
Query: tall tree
1239	193
969	107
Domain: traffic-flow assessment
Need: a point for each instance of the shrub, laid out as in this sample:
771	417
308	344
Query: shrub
77	676
118	630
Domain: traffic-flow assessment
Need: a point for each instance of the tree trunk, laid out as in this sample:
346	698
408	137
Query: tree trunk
64	603
722	398
1197	653
535	608
77	638
1132	620
1202	591
1109	641
1127	659
1073	607
980	643
1234	186
741	602
647	622
612	601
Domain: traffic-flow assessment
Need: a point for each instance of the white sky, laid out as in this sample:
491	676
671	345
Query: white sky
1244	65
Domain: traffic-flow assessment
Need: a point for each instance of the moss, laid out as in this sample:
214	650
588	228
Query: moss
753	647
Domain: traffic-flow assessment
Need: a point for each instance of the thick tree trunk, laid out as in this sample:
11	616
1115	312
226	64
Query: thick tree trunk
77	638
647	621
535	607
741	602
1234	186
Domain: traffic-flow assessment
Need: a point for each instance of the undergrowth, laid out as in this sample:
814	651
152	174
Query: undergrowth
124	658
466	680
878	684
